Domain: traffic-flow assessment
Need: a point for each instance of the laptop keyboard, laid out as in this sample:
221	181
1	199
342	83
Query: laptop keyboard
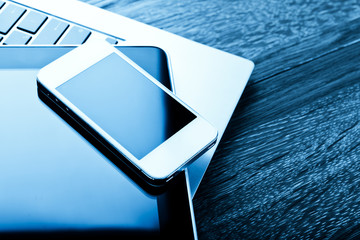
24	26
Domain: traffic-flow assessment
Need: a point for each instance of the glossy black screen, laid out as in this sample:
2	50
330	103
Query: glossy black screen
126	104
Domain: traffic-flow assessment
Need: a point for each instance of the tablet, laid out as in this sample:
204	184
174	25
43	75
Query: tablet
53	181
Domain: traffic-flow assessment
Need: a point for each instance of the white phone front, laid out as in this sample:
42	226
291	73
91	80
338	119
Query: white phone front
132	114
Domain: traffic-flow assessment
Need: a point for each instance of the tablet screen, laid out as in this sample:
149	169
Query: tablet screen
51	178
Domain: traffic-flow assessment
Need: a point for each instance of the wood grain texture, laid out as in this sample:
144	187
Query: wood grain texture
288	165
245	28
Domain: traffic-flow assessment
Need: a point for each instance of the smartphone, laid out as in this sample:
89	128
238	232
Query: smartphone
138	119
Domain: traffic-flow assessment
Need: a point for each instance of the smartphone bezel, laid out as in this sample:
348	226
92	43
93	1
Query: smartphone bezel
156	165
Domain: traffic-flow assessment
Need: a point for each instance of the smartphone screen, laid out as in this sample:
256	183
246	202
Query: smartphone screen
126	104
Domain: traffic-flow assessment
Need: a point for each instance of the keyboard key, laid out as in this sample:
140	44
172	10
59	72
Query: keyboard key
1	4
76	35
9	16
51	33
32	22
17	38
111	40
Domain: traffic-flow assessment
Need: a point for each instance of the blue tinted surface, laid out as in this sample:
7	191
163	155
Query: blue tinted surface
51	178
125	104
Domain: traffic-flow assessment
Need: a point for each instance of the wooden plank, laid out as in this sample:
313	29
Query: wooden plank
262	89
323	42
288	163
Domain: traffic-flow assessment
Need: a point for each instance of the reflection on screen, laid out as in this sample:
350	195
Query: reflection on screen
51	178
125	104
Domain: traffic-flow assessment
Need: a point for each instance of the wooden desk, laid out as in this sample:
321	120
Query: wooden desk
288	165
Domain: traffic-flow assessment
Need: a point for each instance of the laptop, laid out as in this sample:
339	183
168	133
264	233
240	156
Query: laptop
209	80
